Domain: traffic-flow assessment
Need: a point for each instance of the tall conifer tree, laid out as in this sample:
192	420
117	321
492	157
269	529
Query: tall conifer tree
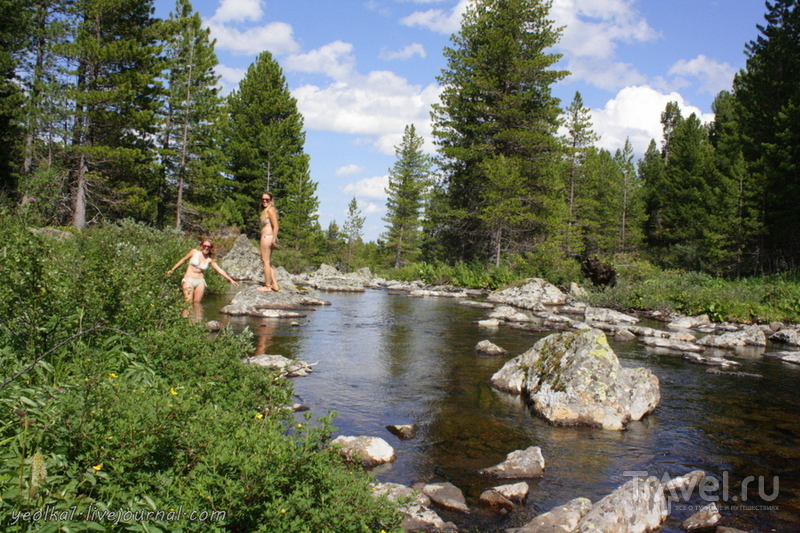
116	61
408	179
265	144
768	94
497	103
191	157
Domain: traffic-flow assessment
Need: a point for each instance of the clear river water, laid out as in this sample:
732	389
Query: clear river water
386	358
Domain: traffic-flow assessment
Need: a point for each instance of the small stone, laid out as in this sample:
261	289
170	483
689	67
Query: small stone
213	325
403	431
489	348
705	519
495	500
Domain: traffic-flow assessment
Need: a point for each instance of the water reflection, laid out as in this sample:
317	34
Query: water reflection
387	359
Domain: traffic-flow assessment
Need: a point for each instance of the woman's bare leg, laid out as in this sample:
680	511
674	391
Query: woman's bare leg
266	257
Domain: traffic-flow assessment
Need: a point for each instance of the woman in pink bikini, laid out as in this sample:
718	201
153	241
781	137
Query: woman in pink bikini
269	241
193	283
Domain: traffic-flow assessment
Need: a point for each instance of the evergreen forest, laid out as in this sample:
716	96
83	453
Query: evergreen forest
107	113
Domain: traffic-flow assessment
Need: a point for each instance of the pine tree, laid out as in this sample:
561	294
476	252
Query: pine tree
600	203
579	138
631	208
114	97
14	24
497	103
191	158
353	227
767	92
408	179
651	174
265	141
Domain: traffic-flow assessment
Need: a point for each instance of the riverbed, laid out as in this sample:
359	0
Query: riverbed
383	358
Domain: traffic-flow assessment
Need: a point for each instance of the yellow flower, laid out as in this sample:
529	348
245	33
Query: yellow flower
299	426
98	466
112	375
259	415
283	511
173	391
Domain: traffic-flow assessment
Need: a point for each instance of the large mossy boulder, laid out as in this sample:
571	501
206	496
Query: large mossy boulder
575	378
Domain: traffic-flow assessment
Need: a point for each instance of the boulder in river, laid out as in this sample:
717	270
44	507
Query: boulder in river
370	451
531	293
575	378
518	464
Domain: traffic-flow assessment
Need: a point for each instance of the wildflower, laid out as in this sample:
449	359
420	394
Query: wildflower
112	375
259	415
173	391
299	426
98	467
283	511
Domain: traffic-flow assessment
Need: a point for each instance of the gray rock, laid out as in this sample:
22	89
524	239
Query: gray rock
689	322
681	488
445	495
704	520
289	302
213	325
787	335
748	336
638	506
671	344
609	316
789	357
489	348
477	305
289	368
516	492
709	360
575	378
518	464
328	278
422	293
577	291
414	506
370	451
529	294
562	519
489	323
624	335
243	261
494	500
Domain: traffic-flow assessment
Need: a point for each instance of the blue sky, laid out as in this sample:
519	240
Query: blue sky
361	70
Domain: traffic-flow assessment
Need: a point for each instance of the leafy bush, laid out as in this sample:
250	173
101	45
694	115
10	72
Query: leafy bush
131	407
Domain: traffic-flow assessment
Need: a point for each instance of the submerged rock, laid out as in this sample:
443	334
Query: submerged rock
575	378
289	368
404	431
445	495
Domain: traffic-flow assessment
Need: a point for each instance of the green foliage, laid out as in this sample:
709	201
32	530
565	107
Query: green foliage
265	143
497	103
641	285
131	407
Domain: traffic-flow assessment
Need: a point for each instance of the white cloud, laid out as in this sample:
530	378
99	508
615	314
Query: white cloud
635	113
229	77
438	20
378	105
407	52
593	27
348	170
335	60
369	187
369	208
604	74
238	11
277	37
713	75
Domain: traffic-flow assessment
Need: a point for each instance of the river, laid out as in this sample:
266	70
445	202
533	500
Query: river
386	358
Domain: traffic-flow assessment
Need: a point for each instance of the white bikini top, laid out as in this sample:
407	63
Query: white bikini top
196	261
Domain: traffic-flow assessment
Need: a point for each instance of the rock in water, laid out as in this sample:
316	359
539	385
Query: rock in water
575	378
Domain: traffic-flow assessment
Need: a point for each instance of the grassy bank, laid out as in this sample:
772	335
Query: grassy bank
134	411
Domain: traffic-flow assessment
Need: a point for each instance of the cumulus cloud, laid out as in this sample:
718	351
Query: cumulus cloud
713	75
378	105
335	60
407	52
229	77
635	113
438	20
277	37
348	170
374	188
238	11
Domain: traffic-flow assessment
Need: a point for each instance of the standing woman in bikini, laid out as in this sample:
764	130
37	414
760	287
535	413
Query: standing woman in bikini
269	240
193	283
